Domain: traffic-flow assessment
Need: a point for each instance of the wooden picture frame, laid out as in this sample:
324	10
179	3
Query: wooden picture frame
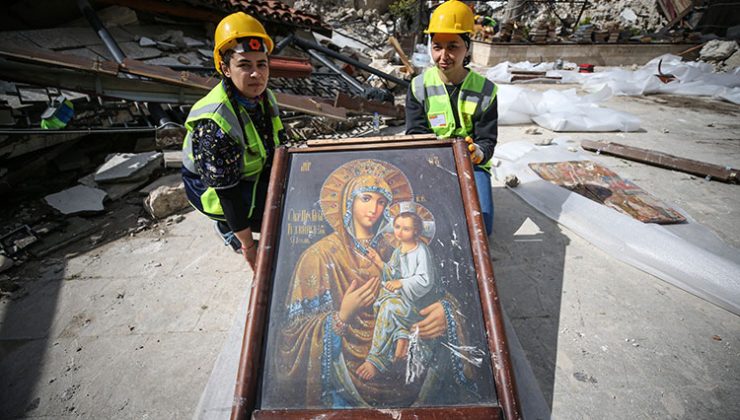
281	295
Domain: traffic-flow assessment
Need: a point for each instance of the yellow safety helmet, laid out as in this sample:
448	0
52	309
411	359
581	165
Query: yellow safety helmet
451	17
234	26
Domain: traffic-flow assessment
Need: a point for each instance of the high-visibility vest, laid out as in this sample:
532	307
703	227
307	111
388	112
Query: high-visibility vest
58	115
217	107
476	95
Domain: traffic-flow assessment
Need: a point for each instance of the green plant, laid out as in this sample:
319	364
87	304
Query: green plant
585	21
403	8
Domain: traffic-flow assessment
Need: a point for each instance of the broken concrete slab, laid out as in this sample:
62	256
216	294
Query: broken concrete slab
165	200
77	199
128	167
173	159
717	50
114	190
172	180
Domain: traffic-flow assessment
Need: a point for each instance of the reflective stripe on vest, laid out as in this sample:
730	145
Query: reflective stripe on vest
216	106
476	95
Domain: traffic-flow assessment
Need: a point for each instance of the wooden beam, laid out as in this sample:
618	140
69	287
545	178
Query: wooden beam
56	59
310	106
404	59
364	140
367	146
429	413
362	105
493	316
664	160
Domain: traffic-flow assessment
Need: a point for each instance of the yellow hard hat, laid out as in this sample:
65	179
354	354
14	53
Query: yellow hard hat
452	17
234	26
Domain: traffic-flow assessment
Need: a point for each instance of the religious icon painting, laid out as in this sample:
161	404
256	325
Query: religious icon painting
374	297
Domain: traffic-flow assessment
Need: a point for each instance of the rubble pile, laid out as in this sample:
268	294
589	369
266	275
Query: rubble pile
724	55
368	27
599	22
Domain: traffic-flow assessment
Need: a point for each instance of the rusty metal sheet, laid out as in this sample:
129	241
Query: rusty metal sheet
600	184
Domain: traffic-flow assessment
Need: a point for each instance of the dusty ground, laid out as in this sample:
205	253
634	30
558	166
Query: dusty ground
130	327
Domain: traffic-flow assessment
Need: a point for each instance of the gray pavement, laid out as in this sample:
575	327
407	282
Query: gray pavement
133	328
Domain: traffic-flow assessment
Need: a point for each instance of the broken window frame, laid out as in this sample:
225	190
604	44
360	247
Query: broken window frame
250	370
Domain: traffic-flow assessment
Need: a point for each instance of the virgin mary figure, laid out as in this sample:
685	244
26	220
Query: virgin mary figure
330	320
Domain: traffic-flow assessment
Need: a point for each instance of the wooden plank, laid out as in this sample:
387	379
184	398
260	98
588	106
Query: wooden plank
377	139
664	160
363	146
404	59
353	103
493	315
435	413
40	56
602	185
167	75
310	106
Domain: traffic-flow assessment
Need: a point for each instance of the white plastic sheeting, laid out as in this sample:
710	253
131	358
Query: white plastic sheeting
501	73
694	78
562	110
688	256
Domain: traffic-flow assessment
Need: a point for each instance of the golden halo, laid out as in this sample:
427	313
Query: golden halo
331	191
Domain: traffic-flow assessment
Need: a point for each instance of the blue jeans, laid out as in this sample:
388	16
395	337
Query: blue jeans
483	187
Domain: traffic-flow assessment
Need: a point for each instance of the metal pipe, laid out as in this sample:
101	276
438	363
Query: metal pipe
333	67
100	29
331	53
115	50
283	43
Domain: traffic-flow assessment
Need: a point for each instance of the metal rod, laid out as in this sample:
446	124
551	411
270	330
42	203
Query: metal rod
333	67
331	53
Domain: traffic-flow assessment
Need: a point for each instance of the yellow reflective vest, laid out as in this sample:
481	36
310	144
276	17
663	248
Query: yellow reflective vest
216	106
476	95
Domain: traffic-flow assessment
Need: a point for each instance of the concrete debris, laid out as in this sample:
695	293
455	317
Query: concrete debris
5	263
511	181
147	42
115	190
717	50
77	199
173	180
128	167
165	200
173	159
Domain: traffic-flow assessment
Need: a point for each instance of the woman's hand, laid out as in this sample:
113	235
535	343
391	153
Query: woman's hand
434	323
249	246
358	297
250	254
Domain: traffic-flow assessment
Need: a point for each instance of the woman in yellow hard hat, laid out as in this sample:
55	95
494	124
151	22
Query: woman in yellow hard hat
450	100
232	133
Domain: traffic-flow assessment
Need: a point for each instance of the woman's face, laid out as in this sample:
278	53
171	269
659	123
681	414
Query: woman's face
448	51
249	71
368	208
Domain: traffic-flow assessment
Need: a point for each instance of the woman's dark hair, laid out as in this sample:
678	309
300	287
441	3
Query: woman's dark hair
466	40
